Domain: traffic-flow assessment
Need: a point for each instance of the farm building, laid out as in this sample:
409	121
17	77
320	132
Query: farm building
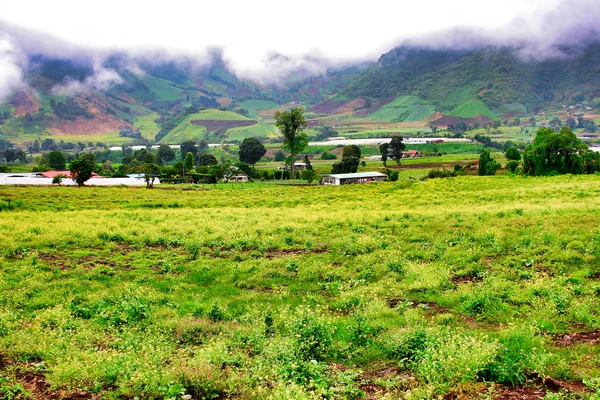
299	166
67	174
234	174
411	154
359	177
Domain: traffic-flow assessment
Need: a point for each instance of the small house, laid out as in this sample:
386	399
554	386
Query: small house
358	177
234	174
411	154
298	166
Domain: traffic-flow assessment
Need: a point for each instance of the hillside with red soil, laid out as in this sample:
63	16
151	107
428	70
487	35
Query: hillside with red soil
24	102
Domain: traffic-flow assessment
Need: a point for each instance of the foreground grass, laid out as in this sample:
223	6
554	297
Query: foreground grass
408	289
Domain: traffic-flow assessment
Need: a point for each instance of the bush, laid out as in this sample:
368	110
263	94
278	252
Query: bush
328	156
312	336
440	173
393	176
512	166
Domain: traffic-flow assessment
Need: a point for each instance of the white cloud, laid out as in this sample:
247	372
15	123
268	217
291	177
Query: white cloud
11	62
101	79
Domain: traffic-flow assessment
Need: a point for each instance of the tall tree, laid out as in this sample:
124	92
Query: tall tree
397	147
384	148
188	163
189	146
554	152
487	164
351	151
165	153
82	168
251	151
291	124
57	160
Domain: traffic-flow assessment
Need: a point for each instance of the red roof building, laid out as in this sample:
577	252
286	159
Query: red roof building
52	174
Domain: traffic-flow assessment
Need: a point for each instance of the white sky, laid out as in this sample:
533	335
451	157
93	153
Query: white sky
249	30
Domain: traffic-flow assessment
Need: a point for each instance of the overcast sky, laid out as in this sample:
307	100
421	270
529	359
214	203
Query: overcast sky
249	31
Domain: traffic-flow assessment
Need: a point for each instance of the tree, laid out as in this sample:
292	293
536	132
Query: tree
512	154
397	147
351	151
82	168
251	151
188	162
487	164
151	172
571	123
207	159
555	153
57	160
189	146
532	121
291	124
279	155
166	153
326	131
308	165
589	126
345	166
579	122
384	148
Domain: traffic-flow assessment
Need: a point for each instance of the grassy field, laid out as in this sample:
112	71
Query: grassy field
471	109
147	126
253	106
404	108
460	287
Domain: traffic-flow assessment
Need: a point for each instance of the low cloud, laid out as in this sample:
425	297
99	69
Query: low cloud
12	60
102	78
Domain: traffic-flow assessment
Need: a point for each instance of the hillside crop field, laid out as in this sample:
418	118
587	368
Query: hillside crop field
468	287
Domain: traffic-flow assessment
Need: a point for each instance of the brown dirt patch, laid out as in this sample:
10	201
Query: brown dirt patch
520	393
571	339
100	124
448	120
127	98
213	125
327	106
349	107
24	102
37	385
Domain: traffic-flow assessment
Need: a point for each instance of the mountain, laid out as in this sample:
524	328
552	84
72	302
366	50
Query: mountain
80	99
498	77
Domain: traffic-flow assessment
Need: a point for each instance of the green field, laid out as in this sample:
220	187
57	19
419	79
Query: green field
217	114
258	105
468	287
184	131
404	108
471	109
162	89
259	130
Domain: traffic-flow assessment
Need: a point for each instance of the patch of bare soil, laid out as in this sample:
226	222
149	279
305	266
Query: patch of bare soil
24	102
37	385
521	393
351	106
213	125
574	338
448	120
327	106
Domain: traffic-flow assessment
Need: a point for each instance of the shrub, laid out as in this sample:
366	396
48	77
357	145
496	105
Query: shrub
453	359
328	156
312	335
512	166
518	356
